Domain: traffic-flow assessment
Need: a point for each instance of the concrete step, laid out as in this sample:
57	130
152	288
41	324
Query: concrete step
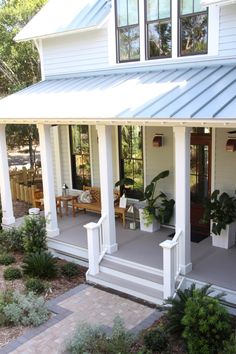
128	287
132	274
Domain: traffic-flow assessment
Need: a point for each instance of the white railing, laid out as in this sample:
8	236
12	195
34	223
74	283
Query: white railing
96	244
171	263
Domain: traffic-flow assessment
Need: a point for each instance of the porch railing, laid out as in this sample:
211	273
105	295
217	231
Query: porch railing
96	244
171	263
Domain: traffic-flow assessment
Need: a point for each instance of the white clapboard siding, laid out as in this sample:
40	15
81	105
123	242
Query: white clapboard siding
74	53
227	31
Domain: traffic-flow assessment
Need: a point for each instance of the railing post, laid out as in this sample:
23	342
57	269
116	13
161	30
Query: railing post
168	267
93	247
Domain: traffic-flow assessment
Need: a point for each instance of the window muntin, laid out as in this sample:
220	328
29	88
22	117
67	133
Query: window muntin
80	156
128	37
158	28
131	158
193	28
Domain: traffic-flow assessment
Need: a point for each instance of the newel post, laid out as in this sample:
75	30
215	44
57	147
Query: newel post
168	267
93	247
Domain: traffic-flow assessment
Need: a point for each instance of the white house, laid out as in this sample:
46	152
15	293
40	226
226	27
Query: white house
116	74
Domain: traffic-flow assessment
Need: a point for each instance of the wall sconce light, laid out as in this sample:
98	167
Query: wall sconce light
157	140
231	145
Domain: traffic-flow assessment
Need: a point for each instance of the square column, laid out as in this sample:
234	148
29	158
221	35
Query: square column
182	195
106	185
5	188
48	181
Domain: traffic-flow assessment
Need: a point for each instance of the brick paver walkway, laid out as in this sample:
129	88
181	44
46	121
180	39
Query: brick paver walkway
82	304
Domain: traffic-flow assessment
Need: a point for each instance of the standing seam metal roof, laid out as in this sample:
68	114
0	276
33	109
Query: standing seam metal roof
207	92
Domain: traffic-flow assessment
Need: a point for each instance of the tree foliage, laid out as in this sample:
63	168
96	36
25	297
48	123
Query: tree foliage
19	62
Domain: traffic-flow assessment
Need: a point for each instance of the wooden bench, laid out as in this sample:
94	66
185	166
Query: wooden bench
95	205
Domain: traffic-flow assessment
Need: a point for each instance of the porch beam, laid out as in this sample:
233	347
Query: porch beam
48	180
5	188
106	185
182	195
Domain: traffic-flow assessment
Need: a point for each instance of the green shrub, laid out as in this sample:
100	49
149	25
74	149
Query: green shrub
34	234
42	265
206	324
12	273
11	240
7	259
93	339
177	309
156	339
26	310
35	285
6	297
69	270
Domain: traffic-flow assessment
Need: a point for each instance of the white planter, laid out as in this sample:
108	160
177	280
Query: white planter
226	239
155	226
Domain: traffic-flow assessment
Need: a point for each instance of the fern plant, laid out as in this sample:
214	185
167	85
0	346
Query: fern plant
40	264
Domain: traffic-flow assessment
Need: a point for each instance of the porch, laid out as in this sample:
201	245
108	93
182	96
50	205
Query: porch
210	264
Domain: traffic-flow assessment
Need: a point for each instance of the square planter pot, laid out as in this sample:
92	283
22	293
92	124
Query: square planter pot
155	226
226	239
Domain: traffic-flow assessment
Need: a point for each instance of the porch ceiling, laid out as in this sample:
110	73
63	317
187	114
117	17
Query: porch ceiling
191	95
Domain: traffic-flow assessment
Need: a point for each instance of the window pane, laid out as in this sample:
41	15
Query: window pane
137	142
126	136
186	7
152	10
138	174
159	40
133	12
129	43
198	7
164	9
194	34
122	12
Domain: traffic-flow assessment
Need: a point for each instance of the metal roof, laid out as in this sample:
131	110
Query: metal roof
60	16
190	93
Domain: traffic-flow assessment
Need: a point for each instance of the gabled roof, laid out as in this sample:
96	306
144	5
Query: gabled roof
62	16
202	93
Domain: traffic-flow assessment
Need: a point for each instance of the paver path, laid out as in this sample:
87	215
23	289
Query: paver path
82	304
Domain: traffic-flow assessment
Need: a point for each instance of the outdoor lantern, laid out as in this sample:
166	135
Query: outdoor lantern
231	145
131	210
157	140
64	188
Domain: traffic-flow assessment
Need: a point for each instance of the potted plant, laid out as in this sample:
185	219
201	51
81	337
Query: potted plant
220	210
158	209
124	184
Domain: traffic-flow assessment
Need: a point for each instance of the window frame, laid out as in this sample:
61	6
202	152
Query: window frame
136	194
159	21
117	33
73	159
179	37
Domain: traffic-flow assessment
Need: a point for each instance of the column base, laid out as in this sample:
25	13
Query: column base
112	248
53	233
8	221
185	269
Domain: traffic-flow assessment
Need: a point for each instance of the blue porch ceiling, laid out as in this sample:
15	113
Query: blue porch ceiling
193	93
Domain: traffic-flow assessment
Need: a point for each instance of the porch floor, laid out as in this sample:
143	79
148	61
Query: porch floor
210	264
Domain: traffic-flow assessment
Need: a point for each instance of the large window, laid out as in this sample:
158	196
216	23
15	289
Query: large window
80	156
193	28
131	158
127	25
158	28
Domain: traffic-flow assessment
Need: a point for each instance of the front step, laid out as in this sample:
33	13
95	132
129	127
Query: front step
126	278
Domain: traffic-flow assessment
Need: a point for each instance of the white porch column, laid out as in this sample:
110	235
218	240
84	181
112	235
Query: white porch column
6	197
106	185
48	181
182	195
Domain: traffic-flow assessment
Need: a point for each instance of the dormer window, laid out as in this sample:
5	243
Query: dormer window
127	30
193	28
158	28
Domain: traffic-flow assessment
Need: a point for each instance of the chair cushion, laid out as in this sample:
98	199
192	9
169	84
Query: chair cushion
85	197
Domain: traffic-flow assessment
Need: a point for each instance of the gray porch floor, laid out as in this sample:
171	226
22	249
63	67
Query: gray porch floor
210	264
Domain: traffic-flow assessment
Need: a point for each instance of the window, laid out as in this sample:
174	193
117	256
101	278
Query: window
127	24
158	28
131	158
80	156
193	27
